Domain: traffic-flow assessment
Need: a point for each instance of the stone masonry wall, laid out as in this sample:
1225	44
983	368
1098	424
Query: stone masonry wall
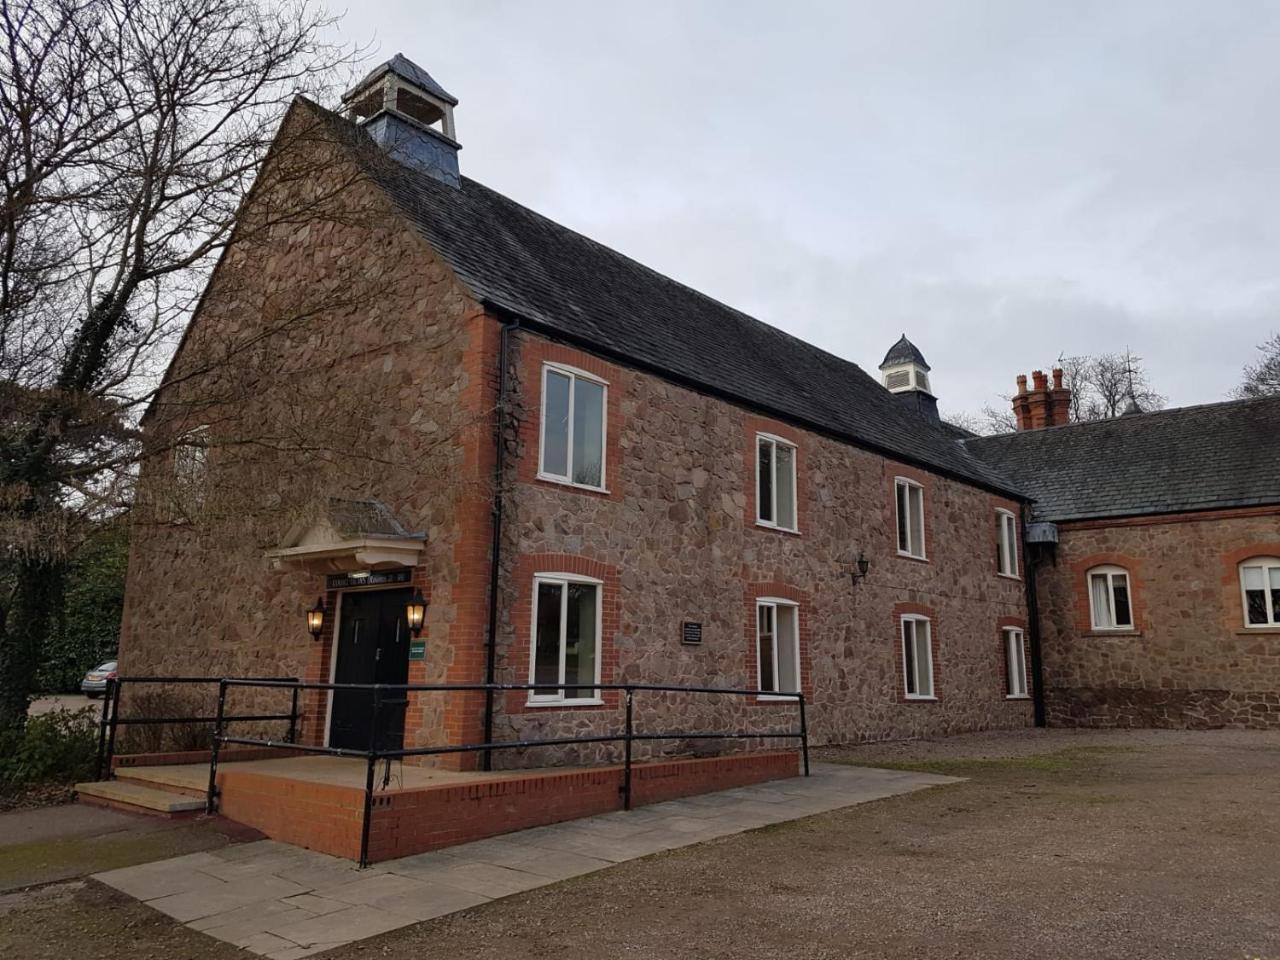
390	380
1189	661
675	539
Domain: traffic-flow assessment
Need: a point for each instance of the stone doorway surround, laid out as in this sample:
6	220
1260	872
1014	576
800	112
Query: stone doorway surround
285	902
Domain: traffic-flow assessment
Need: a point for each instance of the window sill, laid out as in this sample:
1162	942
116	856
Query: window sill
562	482
911	556
912	698
1017	696
795	532
589	702
1009	576
1124	632
1249	630
777	698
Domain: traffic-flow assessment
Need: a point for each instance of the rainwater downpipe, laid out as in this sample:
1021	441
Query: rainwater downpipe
1033	562
495	549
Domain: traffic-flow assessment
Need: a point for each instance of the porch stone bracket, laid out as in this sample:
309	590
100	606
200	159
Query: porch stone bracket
352	535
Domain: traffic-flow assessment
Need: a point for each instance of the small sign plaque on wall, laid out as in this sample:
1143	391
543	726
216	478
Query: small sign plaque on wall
340	581
691	632
417	649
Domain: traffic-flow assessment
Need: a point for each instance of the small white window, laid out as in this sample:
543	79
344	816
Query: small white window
777	646
1260	585
910	510
1109	604
1007	543
566	638
573	427
775	483
917	657
1015	658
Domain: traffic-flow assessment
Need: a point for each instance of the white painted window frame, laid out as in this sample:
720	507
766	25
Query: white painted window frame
776	602
917	619
1008	543
1110	571
574	374
777	441
1266	564
1015	647
911	485
563	580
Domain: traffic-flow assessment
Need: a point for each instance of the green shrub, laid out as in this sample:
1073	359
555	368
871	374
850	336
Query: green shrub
56	747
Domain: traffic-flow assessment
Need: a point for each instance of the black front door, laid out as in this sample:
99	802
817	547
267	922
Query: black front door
373	647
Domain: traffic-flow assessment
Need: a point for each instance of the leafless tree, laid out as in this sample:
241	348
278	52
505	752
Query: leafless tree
130	131
1262	379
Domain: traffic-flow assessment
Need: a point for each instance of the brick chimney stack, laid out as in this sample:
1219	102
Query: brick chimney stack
1042	405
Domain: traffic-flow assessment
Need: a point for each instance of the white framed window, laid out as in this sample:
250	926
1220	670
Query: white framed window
777	646
1006	543
572	446
775	482
1110	607
1015	659
1260	591
909	500
917	657
565	646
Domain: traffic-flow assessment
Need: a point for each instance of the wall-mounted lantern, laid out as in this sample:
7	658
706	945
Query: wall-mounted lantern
415	612
860	568
315	618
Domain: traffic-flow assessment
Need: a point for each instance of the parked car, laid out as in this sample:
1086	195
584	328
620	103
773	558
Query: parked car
94	683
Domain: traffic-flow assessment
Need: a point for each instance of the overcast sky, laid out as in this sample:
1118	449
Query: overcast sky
1003	182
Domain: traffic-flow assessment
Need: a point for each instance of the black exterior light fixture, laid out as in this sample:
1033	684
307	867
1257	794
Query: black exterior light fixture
315	619
860	568
415	612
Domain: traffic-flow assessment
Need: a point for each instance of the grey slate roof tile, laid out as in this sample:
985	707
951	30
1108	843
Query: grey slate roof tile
1213	456
565	284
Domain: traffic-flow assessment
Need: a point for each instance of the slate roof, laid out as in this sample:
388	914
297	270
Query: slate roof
563	284
404	67
904	351
1167	461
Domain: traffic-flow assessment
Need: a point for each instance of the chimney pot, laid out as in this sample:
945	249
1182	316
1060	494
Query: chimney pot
1022	383
1057	378
1040	381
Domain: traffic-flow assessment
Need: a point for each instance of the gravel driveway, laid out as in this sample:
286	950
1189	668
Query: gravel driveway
1060	845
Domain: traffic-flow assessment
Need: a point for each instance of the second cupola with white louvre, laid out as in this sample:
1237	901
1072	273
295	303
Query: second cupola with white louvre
904	368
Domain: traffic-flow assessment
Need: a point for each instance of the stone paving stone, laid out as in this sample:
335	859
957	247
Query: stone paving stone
286	903
343	926
487	879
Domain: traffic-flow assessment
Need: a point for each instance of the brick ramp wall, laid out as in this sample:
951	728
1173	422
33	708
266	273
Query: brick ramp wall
328	818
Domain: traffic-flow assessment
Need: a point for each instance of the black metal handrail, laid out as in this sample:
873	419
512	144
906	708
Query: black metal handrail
110	718
373	754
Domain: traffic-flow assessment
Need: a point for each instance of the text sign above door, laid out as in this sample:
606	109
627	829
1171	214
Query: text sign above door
341	581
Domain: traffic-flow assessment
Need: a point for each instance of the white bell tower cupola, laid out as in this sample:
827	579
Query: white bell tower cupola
904	369
409	115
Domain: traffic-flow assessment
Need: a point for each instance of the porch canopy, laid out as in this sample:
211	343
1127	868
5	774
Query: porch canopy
349	535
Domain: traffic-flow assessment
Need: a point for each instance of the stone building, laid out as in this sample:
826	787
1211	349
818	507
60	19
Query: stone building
592	473
589	473
1157	566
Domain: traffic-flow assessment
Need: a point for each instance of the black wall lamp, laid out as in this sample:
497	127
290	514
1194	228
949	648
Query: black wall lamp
315	619
860	568
415	612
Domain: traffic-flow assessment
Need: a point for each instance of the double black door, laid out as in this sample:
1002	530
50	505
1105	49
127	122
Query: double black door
373	647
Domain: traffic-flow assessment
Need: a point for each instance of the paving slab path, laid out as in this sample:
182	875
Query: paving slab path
285	902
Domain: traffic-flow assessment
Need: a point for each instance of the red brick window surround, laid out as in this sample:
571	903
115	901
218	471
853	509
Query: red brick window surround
1007	543
592	384
777	640
565	603
1260	592
780	476
909	523
916	655
1083	589
1015	670
1110	598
